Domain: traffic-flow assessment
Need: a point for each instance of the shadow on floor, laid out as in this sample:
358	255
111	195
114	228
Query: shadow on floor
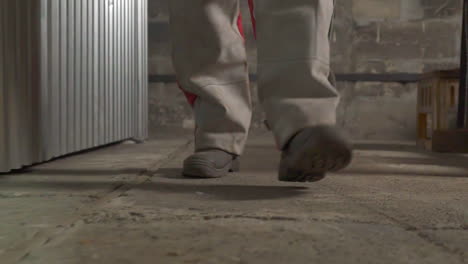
192	188
228	192
82	172
456	166
387	147
380	166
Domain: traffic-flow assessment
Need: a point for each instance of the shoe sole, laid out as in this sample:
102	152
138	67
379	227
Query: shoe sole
325	153
198	168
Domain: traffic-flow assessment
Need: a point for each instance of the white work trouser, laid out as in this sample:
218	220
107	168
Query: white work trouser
293	67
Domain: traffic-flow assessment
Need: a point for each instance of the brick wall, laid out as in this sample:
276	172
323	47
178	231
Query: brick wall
371	36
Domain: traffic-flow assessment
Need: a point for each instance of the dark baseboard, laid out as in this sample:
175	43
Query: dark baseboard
344	77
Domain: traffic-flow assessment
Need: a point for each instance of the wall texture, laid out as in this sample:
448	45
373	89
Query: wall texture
371	36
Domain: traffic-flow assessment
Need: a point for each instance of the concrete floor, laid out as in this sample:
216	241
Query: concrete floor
128	204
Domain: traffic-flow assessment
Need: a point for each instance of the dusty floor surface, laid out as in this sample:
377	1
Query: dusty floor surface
128	204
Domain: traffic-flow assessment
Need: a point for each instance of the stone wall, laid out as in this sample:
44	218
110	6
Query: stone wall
371	36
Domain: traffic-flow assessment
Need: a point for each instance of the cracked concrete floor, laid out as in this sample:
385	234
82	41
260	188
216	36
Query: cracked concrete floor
128	204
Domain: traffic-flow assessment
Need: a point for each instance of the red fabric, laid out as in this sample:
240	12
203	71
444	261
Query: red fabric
240	26
252	14
191	98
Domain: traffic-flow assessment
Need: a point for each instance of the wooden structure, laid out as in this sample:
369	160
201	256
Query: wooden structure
438	104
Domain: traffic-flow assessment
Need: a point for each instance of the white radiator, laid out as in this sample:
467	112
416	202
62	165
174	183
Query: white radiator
73	76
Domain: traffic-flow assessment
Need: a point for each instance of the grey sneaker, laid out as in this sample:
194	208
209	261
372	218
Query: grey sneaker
212	163
312	153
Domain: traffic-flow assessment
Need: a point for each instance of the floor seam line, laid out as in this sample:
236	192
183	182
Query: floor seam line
42	238
406	226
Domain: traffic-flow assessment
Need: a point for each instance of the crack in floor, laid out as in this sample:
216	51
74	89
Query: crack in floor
19	252
404	225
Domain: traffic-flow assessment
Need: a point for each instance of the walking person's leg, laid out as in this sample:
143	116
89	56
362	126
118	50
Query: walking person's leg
211	65
294	87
